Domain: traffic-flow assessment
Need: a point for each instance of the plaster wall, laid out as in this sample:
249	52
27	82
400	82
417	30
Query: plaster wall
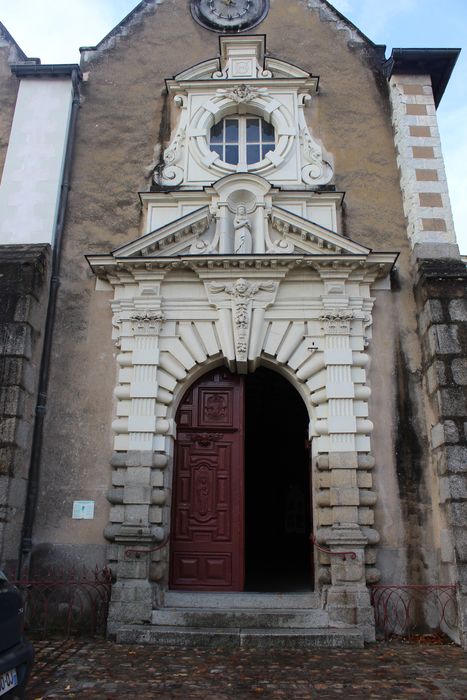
30	186
125	122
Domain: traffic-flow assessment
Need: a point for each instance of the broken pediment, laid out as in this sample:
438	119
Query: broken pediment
241	217
243	58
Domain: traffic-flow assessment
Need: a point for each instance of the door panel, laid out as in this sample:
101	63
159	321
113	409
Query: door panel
208	506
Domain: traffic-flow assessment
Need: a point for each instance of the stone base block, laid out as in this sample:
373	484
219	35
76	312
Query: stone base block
347	606
131	603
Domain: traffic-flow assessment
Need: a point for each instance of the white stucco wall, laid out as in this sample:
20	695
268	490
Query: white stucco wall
30	187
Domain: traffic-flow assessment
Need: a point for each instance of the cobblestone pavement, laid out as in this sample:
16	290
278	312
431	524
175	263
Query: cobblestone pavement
107	671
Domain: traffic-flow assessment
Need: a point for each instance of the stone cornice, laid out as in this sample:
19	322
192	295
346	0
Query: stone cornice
373	265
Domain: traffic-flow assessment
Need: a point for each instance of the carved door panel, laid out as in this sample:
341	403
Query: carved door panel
207	549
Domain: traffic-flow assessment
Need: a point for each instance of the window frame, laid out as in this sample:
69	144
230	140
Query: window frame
242	142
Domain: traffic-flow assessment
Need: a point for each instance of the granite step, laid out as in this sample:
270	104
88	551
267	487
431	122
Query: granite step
281	618
187	599
236	638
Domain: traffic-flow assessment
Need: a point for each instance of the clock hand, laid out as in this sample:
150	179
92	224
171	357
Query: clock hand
229	2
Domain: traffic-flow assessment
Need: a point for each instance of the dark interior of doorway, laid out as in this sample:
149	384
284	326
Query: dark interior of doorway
277	486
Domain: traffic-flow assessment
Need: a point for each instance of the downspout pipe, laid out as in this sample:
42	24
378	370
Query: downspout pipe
41	404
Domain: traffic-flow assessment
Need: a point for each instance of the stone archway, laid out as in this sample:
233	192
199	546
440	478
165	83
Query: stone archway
278	507
241	512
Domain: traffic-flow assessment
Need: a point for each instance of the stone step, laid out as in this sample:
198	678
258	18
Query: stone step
182	599
234	638
241	618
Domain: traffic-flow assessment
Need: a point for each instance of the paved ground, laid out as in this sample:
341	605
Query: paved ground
106	671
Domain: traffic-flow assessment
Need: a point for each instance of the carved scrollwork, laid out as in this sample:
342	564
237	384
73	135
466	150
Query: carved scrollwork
169	173
312	156
366	323
205	439
242	93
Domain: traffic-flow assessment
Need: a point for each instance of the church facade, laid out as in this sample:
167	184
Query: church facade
256	388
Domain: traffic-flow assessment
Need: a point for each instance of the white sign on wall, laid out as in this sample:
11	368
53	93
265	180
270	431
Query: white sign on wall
83	510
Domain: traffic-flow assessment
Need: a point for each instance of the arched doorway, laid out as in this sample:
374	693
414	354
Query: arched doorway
241	488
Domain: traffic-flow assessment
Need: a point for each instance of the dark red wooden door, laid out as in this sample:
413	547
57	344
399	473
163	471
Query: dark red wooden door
207	548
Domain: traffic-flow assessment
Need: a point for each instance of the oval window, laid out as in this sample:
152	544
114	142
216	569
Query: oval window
242	140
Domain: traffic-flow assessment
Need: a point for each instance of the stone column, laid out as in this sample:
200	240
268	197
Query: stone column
137	493
342	428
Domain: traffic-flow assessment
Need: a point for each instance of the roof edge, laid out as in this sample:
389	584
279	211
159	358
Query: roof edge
347	21
52	70
118	30
438	63
8	37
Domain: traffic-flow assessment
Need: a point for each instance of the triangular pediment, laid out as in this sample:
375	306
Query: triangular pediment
172	239
310	238
195	234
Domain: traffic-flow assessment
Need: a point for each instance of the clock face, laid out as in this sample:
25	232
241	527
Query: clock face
229	15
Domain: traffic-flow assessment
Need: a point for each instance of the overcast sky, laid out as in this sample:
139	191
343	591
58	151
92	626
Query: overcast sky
53	30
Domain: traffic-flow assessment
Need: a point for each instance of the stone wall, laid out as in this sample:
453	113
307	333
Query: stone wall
441	294
9	53
24	293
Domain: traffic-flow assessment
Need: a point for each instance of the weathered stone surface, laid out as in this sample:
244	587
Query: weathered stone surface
458	309
452	401
461	543
436	375
432	313
23	290
458	486
443	339
459	370
456	458
136	494
451	432
444	432
458	512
